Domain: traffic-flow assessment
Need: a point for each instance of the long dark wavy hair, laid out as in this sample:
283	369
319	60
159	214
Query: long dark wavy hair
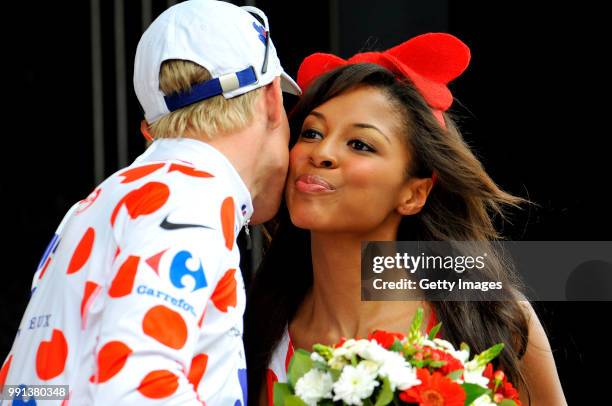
461	206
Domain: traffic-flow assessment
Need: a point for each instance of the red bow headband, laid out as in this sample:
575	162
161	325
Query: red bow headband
430	61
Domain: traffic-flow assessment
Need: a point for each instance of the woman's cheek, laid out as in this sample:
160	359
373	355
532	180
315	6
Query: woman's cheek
363	175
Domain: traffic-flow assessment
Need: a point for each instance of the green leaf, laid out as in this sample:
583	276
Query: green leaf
414	335
473	392
323	350
385	396
396	346
300	364
454	375
437	364
489	354
507	402
294	400
281	391
322	366
417	364
335	374
434	331
367	402
326	402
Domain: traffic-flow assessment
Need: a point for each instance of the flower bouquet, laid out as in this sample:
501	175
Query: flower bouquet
390	368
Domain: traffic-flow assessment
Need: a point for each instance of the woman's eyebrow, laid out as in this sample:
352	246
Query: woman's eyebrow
321	116
373	127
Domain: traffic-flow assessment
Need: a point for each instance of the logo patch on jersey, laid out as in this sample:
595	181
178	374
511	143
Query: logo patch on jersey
167	225
179	269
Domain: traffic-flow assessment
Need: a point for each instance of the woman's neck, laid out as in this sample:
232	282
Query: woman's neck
333	308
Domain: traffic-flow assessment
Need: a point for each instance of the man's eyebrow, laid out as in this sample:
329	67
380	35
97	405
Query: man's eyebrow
318	114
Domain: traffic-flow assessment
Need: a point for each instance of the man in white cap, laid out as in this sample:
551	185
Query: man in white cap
139	296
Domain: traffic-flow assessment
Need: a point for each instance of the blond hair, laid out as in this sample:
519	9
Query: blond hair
208	117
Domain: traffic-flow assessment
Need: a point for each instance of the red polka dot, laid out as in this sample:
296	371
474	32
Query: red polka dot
227	221
270	379
124	280
166	326
7	366
197	369
189	171
224	295
47	262
82	251
145	200
111	359
51	356
158	384
140	172
89	294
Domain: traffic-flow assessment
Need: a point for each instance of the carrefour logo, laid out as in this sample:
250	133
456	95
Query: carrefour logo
179	270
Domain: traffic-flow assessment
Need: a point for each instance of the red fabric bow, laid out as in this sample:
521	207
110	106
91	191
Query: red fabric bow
430	61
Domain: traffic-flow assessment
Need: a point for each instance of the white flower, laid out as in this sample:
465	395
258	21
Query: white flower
366	349
484	400
345	350
370	366
354	385
461	355
428	343
316	357
313	386
473	374
400	373
371	350
337	362
444	344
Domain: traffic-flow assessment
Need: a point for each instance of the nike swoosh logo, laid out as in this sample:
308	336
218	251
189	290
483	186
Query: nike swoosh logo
166	225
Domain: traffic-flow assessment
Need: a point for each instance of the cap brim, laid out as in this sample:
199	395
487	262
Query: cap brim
289	86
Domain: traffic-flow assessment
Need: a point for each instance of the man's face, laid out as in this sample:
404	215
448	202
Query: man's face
274	161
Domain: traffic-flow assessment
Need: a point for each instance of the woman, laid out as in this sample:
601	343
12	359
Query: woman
374	157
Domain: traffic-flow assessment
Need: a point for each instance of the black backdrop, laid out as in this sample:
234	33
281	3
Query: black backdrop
531	104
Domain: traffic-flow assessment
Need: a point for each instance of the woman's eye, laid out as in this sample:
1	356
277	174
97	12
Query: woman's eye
361	146
311	134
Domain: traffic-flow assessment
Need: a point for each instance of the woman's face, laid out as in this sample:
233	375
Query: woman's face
347	169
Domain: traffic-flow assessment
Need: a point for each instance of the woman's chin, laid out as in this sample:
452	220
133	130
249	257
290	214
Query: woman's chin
304	219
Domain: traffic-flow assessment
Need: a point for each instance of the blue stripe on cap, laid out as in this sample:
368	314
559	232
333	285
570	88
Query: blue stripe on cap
206	90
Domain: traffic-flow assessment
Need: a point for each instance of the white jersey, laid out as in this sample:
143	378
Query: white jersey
139	297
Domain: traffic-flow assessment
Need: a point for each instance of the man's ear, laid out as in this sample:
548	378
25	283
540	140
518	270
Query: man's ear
414	195
273	96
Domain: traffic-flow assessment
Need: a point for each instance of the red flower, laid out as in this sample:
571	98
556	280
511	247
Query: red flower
508	391
384	338
505	389
452	363
435	390
339	343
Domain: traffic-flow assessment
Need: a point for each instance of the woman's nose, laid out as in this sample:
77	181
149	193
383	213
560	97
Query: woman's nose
323	155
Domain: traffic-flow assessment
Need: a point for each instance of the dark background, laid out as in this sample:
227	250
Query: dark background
531	104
